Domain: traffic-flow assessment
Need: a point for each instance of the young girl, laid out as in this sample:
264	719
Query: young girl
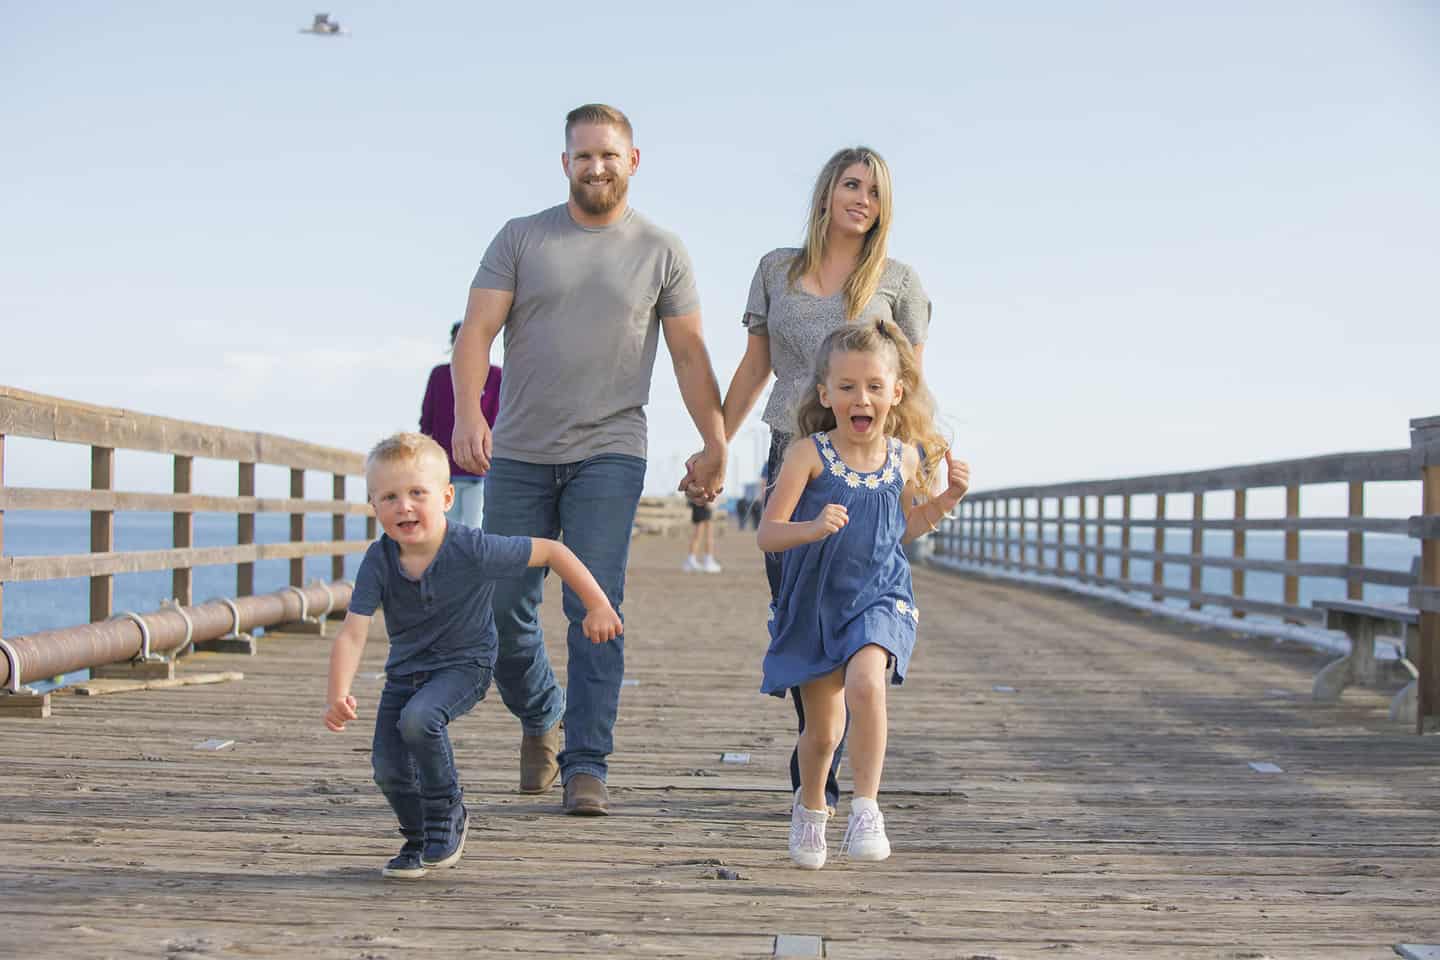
850	492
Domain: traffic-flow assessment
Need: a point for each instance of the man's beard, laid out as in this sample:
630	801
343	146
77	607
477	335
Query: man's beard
599	199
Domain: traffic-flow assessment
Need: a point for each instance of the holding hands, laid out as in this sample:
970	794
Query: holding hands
704	475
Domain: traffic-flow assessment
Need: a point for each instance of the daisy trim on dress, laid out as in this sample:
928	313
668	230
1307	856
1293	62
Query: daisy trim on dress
854	478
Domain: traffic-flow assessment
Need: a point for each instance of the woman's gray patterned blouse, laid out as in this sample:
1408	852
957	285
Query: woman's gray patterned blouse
796	322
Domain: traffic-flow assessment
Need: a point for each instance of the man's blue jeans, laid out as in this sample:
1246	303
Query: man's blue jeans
411	754
590	506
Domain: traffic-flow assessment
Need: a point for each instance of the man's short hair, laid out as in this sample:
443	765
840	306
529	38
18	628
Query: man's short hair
598	113
414	448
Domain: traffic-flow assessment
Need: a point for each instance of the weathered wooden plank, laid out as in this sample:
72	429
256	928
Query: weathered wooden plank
102	686
25	414
40	498
16	569
1366	466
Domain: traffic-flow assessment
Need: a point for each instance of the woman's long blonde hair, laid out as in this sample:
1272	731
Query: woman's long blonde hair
911	421
865	278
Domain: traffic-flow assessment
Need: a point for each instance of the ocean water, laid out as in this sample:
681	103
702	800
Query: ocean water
1383	551
52	604
48	605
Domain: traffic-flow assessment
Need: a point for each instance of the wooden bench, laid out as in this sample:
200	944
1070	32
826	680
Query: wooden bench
1362	623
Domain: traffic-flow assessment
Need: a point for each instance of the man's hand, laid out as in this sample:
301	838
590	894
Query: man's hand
602	625
470	444
339	713
830	520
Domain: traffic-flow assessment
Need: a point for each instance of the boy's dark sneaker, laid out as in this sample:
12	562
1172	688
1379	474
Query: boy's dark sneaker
407	864
445	835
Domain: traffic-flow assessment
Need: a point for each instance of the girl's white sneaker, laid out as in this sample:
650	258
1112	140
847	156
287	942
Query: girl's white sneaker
807	836
865	833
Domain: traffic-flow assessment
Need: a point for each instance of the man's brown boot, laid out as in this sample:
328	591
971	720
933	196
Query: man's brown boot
587	796
538	767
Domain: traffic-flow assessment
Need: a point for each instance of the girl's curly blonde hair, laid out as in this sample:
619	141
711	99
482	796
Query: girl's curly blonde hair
911	421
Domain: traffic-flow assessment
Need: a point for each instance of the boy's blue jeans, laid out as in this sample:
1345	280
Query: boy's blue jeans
590	506
411	754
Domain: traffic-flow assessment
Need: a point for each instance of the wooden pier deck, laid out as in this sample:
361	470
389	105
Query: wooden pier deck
1104	808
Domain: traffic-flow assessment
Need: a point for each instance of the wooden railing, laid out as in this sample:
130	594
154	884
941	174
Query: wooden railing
1068	530
106	430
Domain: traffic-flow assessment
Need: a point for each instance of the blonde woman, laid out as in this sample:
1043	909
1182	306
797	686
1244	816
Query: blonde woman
800	295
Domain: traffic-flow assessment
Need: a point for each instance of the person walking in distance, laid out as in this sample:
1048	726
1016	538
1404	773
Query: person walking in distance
437	421
582	292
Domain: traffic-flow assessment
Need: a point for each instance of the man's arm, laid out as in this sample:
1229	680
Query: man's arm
701	393
485	314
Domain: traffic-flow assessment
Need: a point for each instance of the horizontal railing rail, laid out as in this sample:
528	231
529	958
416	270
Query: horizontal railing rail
107	429
1082	531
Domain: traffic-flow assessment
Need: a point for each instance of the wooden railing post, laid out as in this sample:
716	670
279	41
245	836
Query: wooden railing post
1355	543
1024	530
1157	573
1425	446
1099	537
245	533
1292	544
102	533
1082	556
181	582
1237	550
1197	546
337	527
2	533
1005	529
1125	538
1060	503
297	527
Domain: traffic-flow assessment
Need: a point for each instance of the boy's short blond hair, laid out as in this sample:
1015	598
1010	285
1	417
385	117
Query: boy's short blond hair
408	447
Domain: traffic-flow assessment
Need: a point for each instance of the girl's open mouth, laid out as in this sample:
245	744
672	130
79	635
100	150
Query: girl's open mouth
861	424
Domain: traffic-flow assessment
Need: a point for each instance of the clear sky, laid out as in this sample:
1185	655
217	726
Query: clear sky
1155	239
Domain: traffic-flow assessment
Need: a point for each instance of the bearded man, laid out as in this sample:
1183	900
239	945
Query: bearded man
582	291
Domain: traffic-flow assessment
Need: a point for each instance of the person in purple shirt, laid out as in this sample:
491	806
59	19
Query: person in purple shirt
437	420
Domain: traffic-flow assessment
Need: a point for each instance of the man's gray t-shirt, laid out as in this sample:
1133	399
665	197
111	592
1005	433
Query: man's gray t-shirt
796	322
581	336
444	619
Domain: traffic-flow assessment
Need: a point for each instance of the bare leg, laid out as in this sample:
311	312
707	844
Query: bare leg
869	727
824	701
708	535
695	539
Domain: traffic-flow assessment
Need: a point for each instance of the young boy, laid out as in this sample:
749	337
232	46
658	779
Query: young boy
435	581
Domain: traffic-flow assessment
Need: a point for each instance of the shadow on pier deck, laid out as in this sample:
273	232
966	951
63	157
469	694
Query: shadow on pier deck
1104	808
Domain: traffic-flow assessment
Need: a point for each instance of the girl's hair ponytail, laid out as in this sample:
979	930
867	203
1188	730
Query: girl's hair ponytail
911	421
